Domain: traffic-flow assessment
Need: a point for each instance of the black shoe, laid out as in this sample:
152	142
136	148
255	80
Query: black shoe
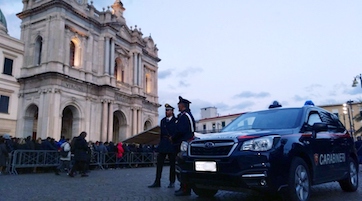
155	185
171	185
182	192
70	175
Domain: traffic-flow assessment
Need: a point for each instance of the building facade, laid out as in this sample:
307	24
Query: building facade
346	113
85	70
211	122
11	60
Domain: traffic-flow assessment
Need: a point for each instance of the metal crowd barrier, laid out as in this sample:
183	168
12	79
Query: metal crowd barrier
33	158
129	159
46	158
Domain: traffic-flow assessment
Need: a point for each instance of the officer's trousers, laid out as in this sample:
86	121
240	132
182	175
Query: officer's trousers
160	162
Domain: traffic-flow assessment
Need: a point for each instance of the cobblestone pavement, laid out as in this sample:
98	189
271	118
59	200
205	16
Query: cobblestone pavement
130	184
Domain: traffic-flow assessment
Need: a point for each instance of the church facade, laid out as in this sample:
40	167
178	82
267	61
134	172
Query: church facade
85	70
11	60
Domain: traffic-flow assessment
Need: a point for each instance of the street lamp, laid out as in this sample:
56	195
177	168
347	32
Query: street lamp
350	115
344	113
355	81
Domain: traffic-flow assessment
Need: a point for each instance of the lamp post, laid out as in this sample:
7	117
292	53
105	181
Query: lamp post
355	81
344	113
350	116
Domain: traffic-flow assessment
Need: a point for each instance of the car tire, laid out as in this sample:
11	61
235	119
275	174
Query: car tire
298	182
350	184
202	192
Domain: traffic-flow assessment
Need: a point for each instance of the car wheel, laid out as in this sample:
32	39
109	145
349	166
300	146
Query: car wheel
350	184
202	192
298	181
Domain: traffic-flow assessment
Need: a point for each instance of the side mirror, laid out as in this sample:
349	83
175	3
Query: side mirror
318	127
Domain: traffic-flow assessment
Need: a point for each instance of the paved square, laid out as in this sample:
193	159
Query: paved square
129	184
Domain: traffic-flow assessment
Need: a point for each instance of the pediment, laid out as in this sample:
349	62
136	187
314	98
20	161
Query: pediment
120	50
125	33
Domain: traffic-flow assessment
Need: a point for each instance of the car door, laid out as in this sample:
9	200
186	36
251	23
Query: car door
340	144
320	147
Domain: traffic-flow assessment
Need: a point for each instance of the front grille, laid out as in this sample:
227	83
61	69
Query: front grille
212	148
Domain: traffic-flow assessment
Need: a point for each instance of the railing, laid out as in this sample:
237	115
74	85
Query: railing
44	158
129	159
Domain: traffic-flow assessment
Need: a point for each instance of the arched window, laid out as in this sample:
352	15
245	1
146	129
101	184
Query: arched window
71	54
119	70
38	50
148	87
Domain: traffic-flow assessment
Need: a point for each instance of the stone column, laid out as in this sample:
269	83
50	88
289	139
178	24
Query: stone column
54	112
106	57
104	121
140	123
67	47
134	122
140	71
41	120
112	62
110	122
134	68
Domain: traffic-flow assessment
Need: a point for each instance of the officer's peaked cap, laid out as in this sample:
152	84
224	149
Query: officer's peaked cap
168	107
182	100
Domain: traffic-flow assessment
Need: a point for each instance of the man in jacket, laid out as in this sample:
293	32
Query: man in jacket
80	148
185	128
166	148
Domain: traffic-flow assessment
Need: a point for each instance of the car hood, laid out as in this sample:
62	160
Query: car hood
245	134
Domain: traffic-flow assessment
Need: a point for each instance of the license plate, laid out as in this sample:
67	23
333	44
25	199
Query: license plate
205	166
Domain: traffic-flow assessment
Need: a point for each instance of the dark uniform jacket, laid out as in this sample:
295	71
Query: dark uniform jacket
168	129
80	149
185	127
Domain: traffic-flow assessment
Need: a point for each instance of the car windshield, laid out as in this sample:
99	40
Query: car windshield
268	119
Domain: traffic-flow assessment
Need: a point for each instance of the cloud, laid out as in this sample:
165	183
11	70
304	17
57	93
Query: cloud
353	90
164	74
312	87
328	102
300	98
249	94
183	84
243	106
190	71
10	7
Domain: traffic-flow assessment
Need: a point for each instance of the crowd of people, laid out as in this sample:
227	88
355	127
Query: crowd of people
10	144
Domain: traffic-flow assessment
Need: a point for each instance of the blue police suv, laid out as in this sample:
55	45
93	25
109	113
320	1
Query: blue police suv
280	150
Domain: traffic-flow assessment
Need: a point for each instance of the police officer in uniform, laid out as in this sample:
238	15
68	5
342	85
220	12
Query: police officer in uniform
166	148
185	129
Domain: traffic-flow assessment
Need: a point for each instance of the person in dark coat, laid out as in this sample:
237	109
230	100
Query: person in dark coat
80	155
185	128
47	144
358	145
166	148
3	154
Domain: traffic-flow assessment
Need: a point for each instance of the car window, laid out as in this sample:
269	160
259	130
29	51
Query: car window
268	119
314	118
333	122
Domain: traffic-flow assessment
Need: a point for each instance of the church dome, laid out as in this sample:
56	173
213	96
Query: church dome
3	26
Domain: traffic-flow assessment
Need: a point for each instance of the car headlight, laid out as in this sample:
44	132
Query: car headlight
260	144
184	146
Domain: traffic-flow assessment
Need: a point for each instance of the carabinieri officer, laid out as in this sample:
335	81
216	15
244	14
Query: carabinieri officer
166	148
184	132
